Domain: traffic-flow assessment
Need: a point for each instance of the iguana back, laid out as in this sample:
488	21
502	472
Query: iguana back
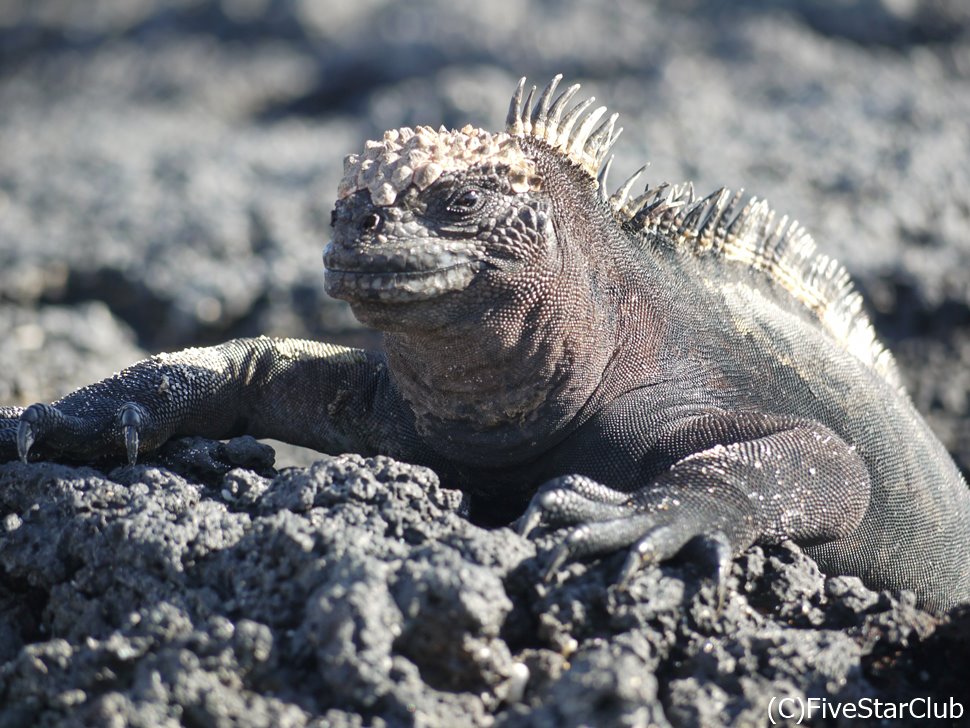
792	339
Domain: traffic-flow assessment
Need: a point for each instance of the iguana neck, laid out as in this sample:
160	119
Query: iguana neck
505	383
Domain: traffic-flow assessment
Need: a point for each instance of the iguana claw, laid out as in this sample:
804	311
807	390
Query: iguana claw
131	418
642	553
25	437
722	558
717	553
32	425
530	520
559	557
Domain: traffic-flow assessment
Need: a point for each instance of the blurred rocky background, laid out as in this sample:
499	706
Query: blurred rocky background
167	169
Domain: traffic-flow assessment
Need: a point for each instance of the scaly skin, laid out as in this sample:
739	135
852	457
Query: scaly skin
648	372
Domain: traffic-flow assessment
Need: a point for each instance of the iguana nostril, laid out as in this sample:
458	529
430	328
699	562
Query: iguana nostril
372	223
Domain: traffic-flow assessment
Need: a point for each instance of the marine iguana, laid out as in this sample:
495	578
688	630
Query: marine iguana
649	369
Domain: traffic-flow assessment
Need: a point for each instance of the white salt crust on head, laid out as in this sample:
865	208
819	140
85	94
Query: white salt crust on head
420	156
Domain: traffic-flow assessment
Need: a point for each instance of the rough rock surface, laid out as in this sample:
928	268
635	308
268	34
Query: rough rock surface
206	588
167	172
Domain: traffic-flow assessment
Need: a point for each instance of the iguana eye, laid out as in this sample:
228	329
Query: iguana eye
466	201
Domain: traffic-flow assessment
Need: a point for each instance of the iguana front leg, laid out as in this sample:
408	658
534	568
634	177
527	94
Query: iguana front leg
329	398
744	478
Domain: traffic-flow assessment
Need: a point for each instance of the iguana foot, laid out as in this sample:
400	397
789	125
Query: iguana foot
83	436
654	523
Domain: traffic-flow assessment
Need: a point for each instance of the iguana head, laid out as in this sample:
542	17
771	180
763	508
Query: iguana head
430	224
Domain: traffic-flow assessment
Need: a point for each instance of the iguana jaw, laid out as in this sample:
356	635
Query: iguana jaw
418	272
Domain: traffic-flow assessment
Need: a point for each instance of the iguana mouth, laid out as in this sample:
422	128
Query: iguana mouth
394	287
398	275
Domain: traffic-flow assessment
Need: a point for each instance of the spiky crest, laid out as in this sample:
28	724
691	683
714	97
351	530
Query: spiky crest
575	135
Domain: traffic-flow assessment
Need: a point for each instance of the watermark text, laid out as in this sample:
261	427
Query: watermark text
795	710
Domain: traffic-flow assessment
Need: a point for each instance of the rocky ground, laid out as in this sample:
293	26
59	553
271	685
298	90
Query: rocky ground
166	174
206	588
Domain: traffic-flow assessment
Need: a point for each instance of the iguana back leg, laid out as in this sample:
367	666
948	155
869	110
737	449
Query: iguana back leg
746	478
